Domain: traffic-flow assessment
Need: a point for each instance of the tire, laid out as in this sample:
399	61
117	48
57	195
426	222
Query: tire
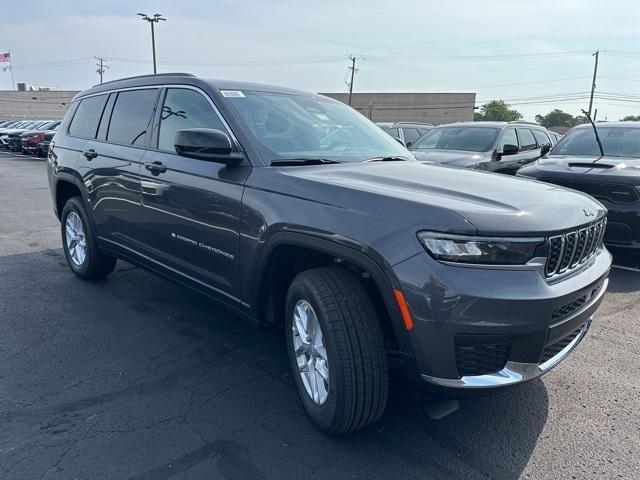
355	359
93	265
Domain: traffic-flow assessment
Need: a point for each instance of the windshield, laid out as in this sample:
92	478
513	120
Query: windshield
468	139
287	126
616	142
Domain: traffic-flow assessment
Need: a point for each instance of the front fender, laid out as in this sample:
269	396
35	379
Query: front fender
350	251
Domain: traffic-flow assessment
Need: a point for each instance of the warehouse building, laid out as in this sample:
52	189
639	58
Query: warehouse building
34	105
435	108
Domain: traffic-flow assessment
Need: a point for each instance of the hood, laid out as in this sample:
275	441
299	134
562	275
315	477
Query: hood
453	158
435	197
14	131
608	166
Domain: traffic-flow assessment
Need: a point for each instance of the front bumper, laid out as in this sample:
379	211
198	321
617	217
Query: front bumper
481	328
29	147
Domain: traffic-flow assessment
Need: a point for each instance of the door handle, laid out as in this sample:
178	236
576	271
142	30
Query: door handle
90	154
155	167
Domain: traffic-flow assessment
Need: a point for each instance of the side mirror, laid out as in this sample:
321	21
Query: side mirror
205	144
408	144
509	149
544	150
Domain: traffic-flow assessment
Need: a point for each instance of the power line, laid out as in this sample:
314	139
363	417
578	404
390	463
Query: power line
476	58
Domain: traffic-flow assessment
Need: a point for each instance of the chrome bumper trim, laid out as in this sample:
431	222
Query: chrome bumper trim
513	372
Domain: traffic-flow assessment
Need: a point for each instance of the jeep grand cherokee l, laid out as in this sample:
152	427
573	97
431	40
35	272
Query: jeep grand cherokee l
292	208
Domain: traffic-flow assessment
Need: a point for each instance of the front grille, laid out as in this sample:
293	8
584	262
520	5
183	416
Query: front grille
552	350
613	192
571	249
481	359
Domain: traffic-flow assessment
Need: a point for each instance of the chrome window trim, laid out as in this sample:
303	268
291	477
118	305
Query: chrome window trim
170	85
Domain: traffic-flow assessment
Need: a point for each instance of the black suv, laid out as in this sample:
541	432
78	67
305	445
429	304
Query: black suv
293	209
494	146
612	175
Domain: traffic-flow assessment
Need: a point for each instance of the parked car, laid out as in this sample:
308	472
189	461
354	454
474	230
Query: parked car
612	178
494	146
43	146
30	140
555	137
18	127
14	140
365	256
405	132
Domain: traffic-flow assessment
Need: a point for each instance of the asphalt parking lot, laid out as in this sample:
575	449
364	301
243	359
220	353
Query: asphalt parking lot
134	377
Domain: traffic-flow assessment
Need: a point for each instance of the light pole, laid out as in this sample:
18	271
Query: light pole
153	19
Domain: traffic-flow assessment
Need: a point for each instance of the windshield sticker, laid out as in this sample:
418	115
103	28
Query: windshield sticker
232	93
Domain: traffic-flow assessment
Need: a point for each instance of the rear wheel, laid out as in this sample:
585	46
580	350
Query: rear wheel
79	243
336	350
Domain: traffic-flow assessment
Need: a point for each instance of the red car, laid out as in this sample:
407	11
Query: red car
30	140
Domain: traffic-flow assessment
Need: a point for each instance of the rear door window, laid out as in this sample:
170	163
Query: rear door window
131	115
410	135
542	138
527	140
85	121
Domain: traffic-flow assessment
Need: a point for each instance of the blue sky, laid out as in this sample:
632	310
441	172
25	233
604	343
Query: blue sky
513	49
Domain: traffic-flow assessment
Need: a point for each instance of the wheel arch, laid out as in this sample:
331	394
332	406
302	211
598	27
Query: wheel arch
67	185
345	253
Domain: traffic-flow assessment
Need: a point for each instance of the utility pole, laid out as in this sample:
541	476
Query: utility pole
153	19
353	71
101	67
593	84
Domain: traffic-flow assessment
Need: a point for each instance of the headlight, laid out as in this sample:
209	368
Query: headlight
480	250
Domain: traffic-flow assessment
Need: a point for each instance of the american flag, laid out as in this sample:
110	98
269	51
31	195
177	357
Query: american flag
5	57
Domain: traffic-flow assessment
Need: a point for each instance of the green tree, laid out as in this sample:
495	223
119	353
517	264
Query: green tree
558	118
631	118
497	111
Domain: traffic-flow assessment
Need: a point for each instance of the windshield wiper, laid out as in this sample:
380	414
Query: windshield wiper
291	162
386	159
595	131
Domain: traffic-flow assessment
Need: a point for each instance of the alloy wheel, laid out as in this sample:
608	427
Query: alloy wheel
310	352
76	239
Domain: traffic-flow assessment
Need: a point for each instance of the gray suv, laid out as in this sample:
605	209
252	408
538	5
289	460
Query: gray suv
290	208
493	146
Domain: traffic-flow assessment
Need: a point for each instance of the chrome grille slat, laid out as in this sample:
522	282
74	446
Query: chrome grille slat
571	245
572	249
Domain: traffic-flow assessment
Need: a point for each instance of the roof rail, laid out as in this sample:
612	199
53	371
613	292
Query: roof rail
170	74
527	123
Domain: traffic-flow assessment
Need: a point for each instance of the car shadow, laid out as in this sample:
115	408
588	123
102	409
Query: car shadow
137	377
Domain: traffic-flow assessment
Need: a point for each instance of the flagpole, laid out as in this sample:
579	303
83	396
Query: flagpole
13	83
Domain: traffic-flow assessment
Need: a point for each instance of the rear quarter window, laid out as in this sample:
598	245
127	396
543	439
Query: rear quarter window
85	121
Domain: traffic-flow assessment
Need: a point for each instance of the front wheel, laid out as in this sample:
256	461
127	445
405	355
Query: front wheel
336	349
79	243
